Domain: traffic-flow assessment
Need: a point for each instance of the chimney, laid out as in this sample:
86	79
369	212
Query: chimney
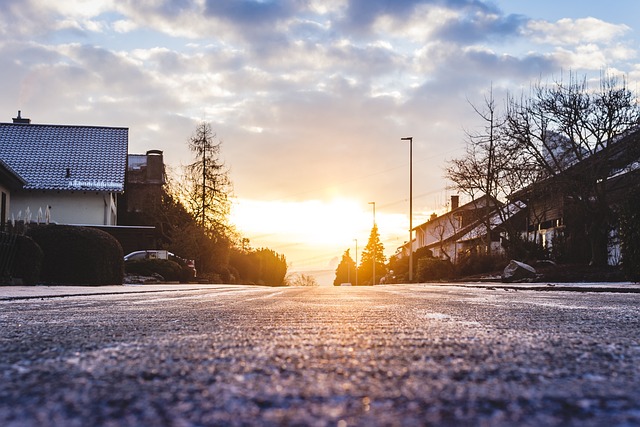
455	202
155	167
20	120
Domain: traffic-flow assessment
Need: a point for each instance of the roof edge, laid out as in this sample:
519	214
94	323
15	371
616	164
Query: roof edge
62	126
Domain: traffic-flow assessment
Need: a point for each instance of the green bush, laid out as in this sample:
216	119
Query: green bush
169	270
78	255
28	260
434	269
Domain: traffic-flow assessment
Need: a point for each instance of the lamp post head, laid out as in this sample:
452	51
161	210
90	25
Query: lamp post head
407	138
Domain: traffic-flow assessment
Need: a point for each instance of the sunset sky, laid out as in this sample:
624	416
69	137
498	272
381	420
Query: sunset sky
309	98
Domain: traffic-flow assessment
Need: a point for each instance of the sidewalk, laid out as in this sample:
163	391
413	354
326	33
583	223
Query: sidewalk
618	287
30	292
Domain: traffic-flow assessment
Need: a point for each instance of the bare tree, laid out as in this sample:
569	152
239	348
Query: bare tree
561	125
300	279
492	165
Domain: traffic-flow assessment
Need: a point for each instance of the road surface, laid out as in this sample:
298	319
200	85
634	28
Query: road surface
328	356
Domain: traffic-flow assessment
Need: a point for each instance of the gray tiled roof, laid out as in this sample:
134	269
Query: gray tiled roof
53	157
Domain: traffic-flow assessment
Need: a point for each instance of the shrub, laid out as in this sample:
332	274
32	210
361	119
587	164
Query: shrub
169	270
28	260
630	236
300	279
186	274
517	247
78	255
434	269
474	263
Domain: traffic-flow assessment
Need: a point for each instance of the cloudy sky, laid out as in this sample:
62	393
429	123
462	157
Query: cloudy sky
309	97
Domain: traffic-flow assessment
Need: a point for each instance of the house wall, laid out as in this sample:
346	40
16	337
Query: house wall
5	205
446	250
431	233
436	235
75	207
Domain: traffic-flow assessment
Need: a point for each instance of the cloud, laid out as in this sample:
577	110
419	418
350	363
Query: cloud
362	14
318	90
473	28
251	12
574	31
32	19
19	18
124	26
592	56
587	43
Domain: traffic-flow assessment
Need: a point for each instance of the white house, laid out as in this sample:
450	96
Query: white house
9	181
72	174
463	229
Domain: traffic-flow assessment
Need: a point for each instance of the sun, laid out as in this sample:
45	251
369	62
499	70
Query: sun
312	221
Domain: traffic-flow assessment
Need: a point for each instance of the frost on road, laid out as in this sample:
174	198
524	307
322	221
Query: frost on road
386	355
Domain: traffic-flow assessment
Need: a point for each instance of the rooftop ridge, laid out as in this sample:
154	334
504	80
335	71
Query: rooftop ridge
30	125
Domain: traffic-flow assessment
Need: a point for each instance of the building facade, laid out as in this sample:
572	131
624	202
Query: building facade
71	174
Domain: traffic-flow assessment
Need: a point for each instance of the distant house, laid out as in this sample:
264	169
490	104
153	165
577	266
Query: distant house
71	173
556	206
144	182
463	229
441	234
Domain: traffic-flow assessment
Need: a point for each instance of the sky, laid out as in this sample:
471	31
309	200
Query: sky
310	98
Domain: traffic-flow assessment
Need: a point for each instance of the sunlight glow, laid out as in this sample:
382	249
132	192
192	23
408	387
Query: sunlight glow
321	230
312	221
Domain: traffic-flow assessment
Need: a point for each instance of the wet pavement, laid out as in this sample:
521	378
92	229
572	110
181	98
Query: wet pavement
386	355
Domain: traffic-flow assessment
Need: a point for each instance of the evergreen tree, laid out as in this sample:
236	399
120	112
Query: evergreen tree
206	185
203	190
346	271
372	255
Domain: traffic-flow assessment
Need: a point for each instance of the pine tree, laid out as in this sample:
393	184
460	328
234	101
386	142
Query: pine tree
206	184
346	271
373	254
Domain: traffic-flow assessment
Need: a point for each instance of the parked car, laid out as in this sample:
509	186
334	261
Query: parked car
147	254
161	254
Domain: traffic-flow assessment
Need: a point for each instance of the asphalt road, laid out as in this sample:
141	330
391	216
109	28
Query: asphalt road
387	355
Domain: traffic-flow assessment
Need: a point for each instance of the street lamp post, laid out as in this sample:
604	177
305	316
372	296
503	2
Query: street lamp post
410	139
374	245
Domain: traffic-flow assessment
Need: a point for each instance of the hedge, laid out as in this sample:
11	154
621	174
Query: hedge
27	263
434	269
630	236
78	255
